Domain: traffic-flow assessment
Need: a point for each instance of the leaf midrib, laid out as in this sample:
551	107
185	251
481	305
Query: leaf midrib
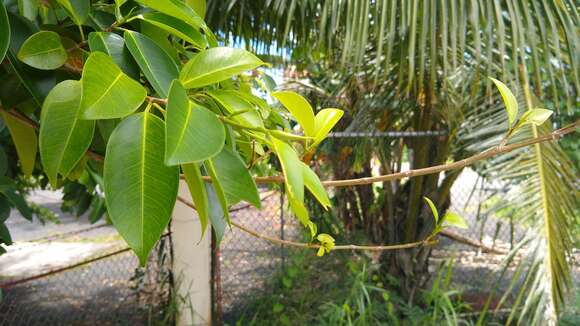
142	183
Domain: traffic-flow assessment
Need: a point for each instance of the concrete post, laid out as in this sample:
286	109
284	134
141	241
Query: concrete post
191	265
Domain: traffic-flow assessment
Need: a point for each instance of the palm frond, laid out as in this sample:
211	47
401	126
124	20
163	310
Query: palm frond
543	194
423	41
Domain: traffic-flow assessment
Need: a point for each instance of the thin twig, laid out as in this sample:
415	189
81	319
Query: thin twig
317	246
555	135
156	100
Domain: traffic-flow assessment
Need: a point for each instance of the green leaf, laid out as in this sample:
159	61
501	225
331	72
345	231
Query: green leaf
4	32
107	92
198	192
235	104
509	100
535	117
78	10
37	82
157	66
175	27
313	184
177	9
235	179
25	141
324	121
114	45
300	110
43	50
5	237
64	138
198	6
8	189
28	9
293	178
215	65
218	190
140	190
433	209
193	133
452	219
216	213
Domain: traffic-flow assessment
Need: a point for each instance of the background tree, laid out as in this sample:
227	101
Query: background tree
422	66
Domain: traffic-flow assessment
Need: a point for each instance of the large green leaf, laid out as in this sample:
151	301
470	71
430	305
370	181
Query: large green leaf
193	133
235	104
177	9
198	6
25	141
158	67
217	213
235	179
175	27
43	50
215	65
4	32
107	92
197	189
63	137
78	10
218	193
114	45
140	189
300	109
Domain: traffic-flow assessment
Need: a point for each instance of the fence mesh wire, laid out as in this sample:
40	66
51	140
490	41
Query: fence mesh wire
107	291
246	262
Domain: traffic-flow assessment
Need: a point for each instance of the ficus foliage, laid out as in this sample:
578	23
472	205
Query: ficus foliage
132	94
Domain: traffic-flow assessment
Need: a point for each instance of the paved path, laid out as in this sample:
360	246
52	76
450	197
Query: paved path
38	248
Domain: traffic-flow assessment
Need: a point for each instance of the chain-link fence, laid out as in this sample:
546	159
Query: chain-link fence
246	263
47	282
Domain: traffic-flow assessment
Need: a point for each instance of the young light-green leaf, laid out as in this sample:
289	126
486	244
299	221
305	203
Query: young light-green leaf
78	10
107	92
63	137
175	27
535	117
452	219
43	50
157	66
114	45
140	190
193	133
235	178
293	178
324	121
509	100
313	184
215	65
433	209
4	31
198	192
300	109
25	141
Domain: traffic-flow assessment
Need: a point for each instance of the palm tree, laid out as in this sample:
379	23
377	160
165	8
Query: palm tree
422	65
